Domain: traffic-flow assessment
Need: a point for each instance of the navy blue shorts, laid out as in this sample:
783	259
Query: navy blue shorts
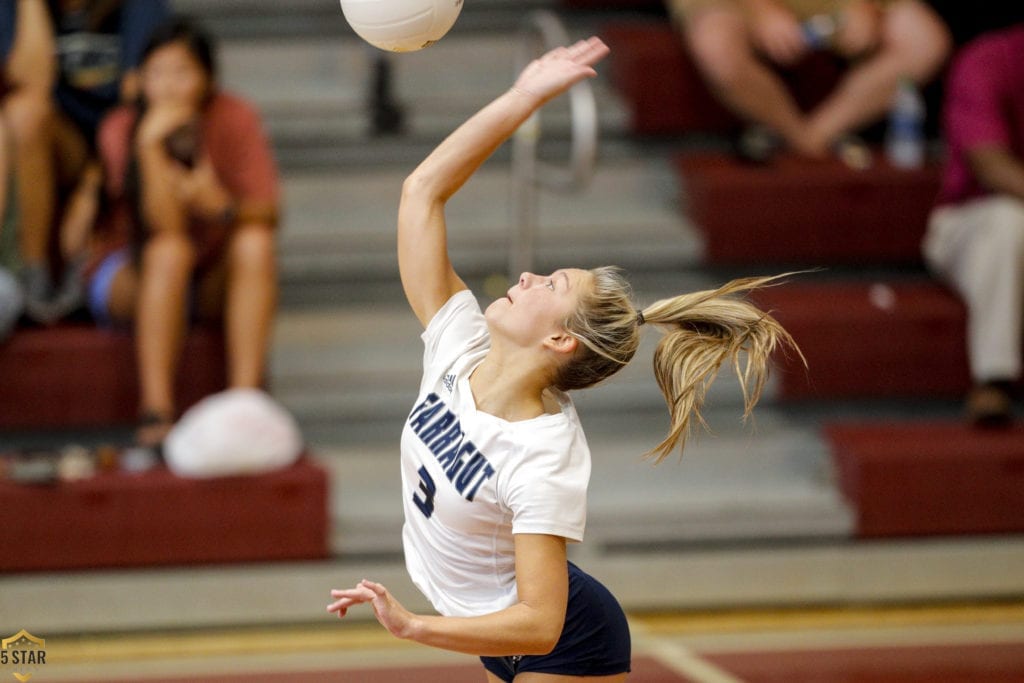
595	639
8	24
102	282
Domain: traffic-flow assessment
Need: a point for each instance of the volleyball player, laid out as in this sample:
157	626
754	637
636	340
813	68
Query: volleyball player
495	465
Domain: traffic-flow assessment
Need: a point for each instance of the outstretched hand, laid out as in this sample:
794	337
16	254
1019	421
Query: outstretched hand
555	72
389	612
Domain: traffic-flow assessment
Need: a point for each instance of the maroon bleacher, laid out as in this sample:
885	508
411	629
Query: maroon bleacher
796	210
156	518
666	94
870	339
659	84
927	478
81	376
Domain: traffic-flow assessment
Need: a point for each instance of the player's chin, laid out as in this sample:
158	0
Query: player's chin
497	307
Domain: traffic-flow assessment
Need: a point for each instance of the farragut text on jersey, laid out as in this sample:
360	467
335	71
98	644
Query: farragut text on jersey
439	429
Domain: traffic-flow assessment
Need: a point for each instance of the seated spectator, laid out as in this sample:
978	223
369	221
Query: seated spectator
739	45
27	57
99	44
193	195
11	297
975	237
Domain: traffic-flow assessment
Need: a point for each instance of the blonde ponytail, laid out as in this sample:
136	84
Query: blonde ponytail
704	329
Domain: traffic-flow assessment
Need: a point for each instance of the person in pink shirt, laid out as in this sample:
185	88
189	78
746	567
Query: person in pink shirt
192	192
975	238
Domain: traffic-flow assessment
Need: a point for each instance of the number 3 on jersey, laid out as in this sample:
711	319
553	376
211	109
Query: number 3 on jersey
429	489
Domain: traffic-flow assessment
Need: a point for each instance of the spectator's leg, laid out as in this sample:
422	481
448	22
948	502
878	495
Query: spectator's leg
11	298
979	248
5	171
30	117
720	43
251	300
995	278
914	44
168	259
31	70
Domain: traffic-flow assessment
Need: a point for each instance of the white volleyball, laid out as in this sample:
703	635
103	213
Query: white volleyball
401	25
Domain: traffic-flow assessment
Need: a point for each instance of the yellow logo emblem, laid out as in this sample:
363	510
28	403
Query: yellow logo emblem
23	653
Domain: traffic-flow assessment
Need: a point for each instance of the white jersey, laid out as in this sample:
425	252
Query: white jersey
471	480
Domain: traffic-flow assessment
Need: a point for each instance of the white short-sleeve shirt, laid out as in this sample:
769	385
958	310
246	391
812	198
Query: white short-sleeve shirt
471	480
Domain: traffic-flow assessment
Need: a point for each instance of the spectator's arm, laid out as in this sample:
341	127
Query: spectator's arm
160	207
159	174
997	169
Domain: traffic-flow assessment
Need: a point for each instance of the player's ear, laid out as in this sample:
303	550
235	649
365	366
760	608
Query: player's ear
561	342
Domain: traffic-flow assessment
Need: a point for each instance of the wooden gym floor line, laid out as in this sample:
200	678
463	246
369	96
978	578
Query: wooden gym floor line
973	643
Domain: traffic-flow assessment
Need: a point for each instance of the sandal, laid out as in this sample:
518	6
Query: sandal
151	430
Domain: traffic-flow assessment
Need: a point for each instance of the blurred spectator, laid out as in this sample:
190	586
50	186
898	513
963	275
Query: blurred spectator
740	44
98	46
975	236
193	190
27	56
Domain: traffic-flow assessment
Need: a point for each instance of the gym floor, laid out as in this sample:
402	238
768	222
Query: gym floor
947	643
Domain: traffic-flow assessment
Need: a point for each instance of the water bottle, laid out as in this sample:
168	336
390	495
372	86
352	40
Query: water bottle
904	142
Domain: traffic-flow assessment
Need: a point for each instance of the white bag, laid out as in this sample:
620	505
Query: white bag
238	431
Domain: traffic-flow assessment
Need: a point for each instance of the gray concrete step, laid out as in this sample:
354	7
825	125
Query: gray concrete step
342	223
740	483
313	91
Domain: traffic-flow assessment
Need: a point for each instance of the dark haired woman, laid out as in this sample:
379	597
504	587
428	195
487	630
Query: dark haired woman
193	191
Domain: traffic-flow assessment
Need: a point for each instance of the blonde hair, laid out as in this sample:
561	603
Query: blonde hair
702	330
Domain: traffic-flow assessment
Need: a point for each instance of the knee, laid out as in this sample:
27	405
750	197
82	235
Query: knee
30	115
168	252
917	37
720	48
253	248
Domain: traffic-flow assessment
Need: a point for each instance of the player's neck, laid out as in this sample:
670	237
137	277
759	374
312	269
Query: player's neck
507	389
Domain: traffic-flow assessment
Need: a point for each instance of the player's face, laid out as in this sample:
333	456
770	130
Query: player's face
537	305
172	75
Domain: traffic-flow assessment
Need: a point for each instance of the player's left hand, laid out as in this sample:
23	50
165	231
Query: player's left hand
561	68
389	612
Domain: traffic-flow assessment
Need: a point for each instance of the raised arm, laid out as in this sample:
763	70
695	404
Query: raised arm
427	274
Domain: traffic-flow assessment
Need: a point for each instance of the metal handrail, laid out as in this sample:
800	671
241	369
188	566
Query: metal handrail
544	30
